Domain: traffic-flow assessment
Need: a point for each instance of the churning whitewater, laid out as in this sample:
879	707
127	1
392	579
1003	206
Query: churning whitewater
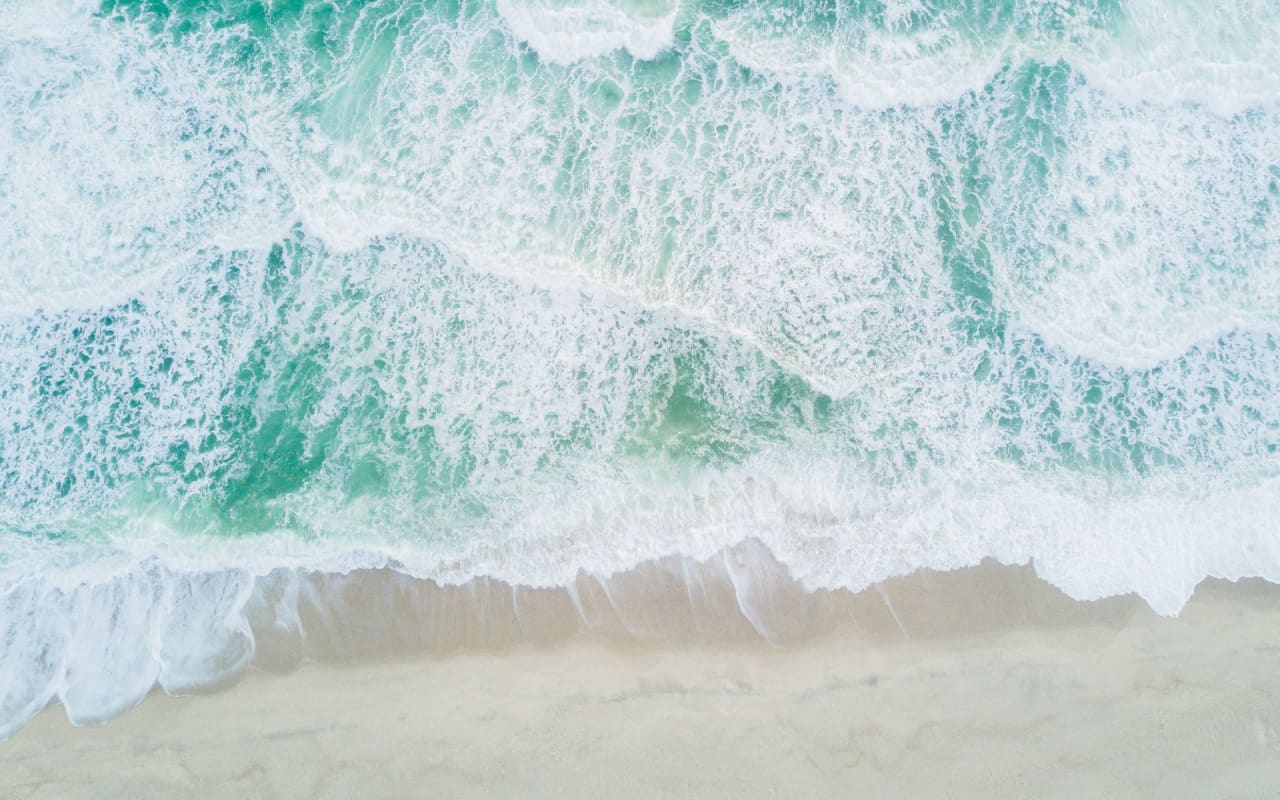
529	289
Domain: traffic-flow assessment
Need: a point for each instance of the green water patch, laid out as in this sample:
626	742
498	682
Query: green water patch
324	399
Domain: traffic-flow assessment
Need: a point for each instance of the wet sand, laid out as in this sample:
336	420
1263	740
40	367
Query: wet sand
954	697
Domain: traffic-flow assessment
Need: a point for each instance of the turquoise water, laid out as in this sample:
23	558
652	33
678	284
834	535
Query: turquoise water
527	288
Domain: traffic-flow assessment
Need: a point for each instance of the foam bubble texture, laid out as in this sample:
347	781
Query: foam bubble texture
565	32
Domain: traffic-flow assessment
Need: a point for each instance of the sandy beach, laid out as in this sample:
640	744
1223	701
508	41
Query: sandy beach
956	698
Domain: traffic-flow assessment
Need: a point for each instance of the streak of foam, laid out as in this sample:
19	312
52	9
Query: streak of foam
565	32
915	53
871	66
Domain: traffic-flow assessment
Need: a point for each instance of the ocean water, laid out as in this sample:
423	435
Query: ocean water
528	289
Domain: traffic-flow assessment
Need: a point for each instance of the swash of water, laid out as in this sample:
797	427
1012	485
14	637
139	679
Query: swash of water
520	288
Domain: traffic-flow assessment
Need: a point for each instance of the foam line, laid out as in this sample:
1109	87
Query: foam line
278	619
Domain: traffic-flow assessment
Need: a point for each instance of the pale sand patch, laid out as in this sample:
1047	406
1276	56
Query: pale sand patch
1073	701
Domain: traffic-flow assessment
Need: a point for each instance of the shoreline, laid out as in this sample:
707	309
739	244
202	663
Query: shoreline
981	682
99	647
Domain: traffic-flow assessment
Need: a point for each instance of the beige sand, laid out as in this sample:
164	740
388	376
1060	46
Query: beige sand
1111	701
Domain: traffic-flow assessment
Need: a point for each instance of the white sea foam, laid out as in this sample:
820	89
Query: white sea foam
109	172
565	31
1225	58
871	68
1150	231
1187	52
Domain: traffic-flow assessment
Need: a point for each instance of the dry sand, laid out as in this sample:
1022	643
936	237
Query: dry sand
1089	701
